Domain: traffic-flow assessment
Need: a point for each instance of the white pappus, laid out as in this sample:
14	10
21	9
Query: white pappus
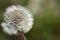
17	18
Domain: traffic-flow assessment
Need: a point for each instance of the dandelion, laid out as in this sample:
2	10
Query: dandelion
17	19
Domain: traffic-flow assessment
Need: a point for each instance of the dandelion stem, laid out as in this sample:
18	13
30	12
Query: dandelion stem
21	35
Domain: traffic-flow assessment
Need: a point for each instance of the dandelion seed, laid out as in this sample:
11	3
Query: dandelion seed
17	18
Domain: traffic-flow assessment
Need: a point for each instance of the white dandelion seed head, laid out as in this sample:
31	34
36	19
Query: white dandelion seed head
17	18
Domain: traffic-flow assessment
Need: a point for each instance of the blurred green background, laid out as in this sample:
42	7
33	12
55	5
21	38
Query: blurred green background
46	19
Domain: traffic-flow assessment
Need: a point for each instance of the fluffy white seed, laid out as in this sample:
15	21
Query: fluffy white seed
17	18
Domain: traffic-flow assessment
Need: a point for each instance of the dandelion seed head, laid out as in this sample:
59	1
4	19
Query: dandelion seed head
17	18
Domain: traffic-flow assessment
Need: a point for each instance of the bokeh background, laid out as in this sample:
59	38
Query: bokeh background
46	19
